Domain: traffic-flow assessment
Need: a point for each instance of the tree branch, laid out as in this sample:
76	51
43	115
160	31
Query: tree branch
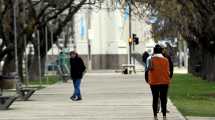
59	12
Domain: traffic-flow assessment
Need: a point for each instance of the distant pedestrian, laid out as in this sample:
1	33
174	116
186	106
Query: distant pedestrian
77	70
159	80
167	54
169	50
61	62
145	57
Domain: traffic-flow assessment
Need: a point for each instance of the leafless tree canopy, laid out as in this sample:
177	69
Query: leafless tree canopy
32	16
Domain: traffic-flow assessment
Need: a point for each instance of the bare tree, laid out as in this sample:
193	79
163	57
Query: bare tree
33	16
191	19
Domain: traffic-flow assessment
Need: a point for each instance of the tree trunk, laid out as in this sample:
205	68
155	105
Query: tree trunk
201	62
195	60
33	72
20	67
43	65
208	66
9	65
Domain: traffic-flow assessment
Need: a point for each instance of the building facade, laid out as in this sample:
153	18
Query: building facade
101	36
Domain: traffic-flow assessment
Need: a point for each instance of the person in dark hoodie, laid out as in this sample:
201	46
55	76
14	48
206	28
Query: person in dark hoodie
166	53
145	57
77	71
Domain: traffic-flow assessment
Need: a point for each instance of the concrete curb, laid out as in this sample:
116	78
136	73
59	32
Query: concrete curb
199	118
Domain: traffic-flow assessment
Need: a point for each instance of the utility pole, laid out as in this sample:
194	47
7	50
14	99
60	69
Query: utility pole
39	57
52	45
130	37
18	82
133	43
88	39
73	34
46	62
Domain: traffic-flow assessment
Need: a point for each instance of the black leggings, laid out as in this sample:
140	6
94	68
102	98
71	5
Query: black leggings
159	91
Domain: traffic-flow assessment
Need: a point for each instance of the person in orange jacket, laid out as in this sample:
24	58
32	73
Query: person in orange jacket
159	80
166	54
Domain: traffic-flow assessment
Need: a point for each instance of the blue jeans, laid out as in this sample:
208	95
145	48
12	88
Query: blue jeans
77	84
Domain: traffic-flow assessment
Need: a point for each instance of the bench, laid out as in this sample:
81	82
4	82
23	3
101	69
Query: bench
6	83
128	68
25	93
6	101
10	83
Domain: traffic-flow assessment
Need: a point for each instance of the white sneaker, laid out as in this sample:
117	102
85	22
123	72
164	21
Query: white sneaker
155	118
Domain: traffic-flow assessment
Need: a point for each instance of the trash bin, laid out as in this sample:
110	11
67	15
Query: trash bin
7	82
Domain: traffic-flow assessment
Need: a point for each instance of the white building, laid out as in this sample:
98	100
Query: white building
101	36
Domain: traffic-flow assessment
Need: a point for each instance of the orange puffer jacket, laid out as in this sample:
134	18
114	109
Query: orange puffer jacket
159	71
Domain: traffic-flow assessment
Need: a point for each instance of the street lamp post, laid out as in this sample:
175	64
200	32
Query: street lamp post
130	37
46	66
18	82
39	58
88	39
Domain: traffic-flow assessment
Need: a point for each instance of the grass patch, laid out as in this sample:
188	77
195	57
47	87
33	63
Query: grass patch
192	95
45	81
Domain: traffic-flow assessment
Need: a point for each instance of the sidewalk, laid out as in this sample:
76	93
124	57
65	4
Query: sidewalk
105	97
181	70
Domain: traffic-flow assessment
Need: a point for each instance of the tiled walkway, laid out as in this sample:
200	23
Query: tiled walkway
105	97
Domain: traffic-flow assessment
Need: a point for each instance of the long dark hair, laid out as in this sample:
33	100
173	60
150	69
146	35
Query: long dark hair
157	49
